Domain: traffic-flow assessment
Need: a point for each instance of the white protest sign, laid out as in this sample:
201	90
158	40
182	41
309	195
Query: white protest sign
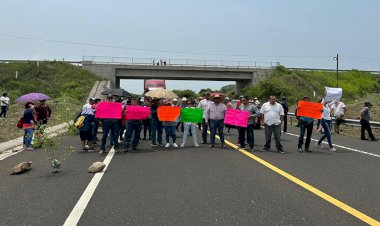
333	94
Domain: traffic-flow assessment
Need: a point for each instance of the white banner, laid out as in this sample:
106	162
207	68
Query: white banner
333	94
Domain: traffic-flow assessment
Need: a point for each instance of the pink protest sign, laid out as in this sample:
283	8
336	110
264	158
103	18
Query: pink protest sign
109	110
137	113
236	117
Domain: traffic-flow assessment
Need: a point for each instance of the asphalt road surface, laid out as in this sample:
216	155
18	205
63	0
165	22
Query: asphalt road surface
199	186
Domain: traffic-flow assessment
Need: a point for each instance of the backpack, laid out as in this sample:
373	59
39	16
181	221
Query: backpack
79	122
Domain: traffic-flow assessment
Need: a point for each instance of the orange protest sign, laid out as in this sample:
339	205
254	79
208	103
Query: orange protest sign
309	109
168	113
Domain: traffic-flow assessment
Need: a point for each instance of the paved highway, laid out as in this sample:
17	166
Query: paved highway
199	186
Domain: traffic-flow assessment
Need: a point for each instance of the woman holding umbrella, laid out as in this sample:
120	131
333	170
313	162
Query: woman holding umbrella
29	125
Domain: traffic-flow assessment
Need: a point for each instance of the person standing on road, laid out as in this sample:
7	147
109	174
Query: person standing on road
109	126
306	124
272	115
326	125
215	115
170	130
85	131
285	106
253	113
4	102
133	128
339	109
189	127
156	125
205	104
146	123
29	125
364	122
43	112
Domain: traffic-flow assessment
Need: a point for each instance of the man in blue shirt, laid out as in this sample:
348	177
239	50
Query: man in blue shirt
305	124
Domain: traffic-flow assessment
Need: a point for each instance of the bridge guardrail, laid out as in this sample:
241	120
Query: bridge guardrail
180	62
349	122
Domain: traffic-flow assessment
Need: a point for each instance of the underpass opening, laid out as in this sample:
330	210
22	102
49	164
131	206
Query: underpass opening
136	86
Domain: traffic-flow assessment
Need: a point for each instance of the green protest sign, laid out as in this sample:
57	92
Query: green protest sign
191	115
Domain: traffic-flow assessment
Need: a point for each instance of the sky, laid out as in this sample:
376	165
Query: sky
296	33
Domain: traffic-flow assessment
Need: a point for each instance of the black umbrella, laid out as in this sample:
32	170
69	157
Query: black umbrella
116	92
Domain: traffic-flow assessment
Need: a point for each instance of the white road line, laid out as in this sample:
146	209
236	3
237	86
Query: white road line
9	152
81	205
340	146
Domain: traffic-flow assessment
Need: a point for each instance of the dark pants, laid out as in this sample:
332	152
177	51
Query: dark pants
132	129
250	136
95	131
216	125
147	128
170	131
107	127
156	126
308	127
366	126
285	123
3	111
120	129
204	130
178	124
276	130
326	124
121	132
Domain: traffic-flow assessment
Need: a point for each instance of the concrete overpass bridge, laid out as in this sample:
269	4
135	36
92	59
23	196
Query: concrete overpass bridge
244	73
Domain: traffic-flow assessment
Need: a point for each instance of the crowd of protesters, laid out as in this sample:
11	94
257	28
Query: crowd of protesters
126	134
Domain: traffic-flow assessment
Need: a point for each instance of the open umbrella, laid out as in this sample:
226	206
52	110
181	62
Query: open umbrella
161	93
116	92
32	97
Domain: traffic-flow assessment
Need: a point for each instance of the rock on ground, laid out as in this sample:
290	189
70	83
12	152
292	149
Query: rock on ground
21	167
96	167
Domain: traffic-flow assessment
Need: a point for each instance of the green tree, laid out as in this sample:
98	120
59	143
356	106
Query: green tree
186	93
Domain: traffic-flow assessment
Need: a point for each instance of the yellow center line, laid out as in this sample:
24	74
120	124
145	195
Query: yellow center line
316	191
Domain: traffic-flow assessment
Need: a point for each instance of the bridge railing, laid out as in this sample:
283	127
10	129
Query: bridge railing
349	122
180	62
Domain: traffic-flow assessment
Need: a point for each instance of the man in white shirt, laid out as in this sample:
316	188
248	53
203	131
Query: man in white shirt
339	109
272	115
204	104
4	102
215	115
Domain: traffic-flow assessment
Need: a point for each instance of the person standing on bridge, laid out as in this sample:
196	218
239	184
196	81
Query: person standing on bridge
272	115
364	122
253	113
205	104
306	124
215	115
326	125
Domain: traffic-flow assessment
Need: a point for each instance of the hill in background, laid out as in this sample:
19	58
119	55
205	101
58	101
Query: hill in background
66	84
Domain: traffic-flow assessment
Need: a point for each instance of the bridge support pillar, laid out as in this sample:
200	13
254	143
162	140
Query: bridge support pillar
240	85
104	71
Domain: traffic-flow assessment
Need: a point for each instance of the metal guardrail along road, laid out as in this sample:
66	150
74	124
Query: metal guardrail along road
349	122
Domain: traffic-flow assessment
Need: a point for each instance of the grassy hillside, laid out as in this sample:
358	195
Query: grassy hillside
295	84
358	87
67	85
